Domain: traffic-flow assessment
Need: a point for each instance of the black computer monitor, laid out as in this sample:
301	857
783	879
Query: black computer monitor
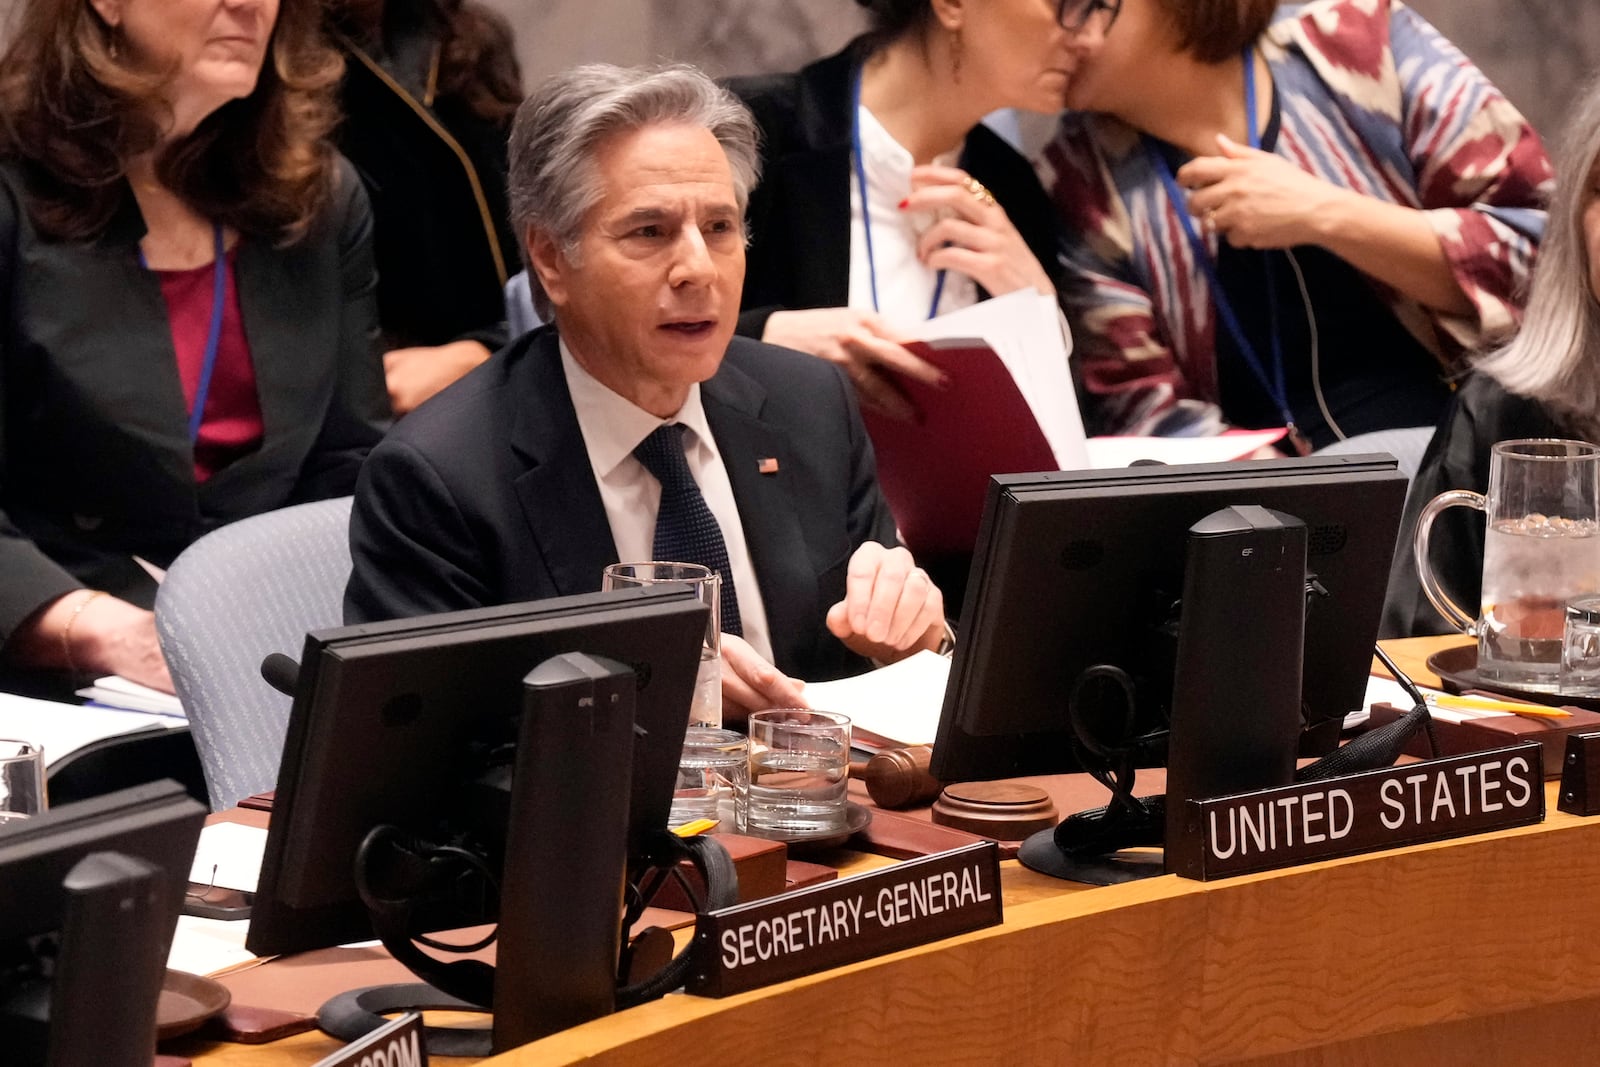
393	722
1078	568
89	895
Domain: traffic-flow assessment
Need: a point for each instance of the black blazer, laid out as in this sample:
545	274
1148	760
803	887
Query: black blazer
1481	413
799	214
485	495
95	461
436	177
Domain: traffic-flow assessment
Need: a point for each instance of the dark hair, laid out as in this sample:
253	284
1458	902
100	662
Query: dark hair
477	58
77	113
479	62
891	19
1215	30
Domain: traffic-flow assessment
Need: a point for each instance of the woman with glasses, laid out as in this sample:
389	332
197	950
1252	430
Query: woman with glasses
1300	216
883	201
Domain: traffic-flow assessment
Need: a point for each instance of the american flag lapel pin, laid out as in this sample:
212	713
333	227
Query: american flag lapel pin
767	465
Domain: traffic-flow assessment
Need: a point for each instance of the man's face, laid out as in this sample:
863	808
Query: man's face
649	300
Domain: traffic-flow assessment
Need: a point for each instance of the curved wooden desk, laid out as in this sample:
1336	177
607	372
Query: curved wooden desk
1479	950
1473	951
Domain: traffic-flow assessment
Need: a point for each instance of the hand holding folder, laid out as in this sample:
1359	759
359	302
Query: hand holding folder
1007	406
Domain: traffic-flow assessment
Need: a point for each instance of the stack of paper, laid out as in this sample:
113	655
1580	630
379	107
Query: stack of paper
62	729
115	691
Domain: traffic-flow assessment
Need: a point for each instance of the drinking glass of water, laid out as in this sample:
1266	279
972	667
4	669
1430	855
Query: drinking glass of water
713	779
1541	551
21	781
706	708
799	766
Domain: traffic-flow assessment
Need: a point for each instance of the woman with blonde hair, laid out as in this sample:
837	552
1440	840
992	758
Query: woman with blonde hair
187	284
1544	383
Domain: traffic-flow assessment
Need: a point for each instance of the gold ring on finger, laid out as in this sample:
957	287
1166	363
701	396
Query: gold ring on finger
978	190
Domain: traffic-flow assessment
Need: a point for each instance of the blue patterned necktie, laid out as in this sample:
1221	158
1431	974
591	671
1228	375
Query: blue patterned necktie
686	531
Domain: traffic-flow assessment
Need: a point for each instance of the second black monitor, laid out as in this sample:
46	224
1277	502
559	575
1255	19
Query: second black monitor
1077	568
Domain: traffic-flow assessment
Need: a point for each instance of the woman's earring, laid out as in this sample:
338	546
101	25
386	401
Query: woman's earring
955	54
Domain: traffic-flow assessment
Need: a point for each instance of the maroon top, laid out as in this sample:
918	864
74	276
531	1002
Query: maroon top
231	425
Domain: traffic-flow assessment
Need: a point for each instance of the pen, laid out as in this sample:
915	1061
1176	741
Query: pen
1535	711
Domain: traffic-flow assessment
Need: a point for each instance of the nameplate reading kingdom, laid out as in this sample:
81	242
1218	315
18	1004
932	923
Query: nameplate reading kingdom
396	1044
856	918
1404	805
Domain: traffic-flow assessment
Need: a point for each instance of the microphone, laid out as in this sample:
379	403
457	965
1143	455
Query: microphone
280	672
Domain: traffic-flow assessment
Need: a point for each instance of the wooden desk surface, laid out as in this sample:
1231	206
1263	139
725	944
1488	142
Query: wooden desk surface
1473	951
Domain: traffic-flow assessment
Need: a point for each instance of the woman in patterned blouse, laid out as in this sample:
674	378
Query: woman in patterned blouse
1298	216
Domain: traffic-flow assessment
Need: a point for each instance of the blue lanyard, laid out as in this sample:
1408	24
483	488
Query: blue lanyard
866	207
1274	386
208	362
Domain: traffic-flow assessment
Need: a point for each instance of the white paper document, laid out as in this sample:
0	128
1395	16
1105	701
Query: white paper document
899	704
61	729
1026	331
229	856
118	692
1108	452
1387	691
209	946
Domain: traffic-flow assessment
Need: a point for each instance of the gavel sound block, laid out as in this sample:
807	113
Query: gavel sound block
1007	811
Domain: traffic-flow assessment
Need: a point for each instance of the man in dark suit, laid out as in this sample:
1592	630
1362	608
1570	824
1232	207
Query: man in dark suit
543	466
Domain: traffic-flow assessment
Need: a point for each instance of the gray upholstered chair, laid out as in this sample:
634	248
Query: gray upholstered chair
1405	445
249	589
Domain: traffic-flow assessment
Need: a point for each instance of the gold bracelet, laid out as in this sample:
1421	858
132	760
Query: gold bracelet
66	628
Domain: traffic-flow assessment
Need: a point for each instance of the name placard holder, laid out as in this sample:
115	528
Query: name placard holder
1580	776
1367	812
395	1044
809	930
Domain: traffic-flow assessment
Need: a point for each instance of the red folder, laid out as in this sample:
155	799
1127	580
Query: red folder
935	469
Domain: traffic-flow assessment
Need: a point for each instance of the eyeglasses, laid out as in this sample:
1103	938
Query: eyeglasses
1075	15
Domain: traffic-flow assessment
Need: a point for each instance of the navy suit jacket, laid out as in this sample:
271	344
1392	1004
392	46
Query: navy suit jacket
485	495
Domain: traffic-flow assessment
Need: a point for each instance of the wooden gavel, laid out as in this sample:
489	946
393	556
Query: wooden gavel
898	777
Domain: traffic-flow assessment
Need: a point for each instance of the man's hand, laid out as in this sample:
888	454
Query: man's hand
862	345
750	683
891	607
415	374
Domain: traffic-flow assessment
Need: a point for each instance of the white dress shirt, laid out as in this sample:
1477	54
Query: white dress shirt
905	283
612	428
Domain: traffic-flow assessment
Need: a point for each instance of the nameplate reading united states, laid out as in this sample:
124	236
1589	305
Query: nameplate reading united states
1403	805
810	930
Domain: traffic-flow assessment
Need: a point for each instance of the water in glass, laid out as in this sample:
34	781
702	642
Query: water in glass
798	792
1532	567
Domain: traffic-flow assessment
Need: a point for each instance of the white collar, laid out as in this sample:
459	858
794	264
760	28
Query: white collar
613	425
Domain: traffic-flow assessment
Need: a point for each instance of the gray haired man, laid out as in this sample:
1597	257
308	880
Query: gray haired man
638	410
